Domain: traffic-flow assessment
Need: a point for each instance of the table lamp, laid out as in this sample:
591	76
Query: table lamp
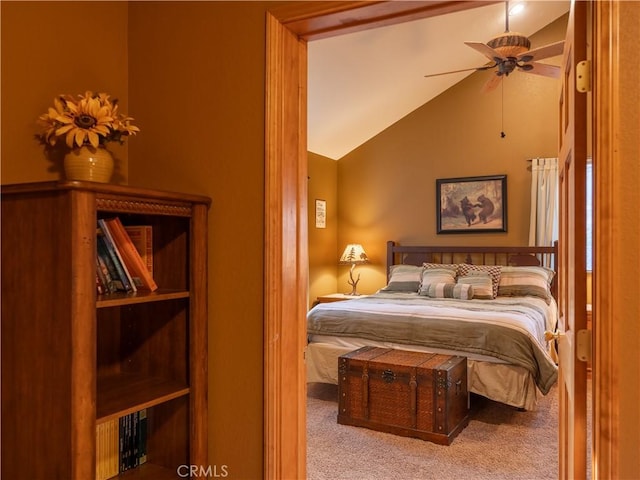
353	255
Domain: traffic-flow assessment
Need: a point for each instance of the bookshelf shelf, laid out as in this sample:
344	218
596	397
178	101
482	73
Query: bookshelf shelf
119	299
119	395
101	358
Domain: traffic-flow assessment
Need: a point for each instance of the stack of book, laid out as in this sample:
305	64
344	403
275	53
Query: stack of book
124	261
121	444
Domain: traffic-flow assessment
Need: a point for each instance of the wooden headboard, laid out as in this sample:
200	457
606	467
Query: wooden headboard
514	256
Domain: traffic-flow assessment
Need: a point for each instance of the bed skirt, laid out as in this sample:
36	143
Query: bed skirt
501	382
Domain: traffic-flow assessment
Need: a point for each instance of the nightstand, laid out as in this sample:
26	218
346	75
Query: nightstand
337	297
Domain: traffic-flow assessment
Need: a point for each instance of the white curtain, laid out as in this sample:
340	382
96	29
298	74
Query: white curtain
543	228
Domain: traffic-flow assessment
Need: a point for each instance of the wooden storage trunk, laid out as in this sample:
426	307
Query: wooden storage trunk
414	394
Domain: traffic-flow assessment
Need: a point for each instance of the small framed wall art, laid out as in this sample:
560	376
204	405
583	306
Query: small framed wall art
321	213
471	204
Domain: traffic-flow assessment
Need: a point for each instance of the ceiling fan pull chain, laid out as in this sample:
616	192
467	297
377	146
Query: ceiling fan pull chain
502	134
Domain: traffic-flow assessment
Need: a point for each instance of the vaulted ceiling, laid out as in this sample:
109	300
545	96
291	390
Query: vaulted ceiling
361	83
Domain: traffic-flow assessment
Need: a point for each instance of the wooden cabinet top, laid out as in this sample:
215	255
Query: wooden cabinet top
105	190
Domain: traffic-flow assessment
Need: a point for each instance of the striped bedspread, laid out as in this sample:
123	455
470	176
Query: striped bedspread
507	328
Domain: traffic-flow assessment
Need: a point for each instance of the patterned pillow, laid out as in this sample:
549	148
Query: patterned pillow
526	281
460	291
493	271
404	278
448	266
482	285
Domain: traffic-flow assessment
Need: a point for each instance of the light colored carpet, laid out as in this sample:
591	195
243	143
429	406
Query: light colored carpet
500	442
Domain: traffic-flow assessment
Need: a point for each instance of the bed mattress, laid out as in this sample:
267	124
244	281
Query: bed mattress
502	338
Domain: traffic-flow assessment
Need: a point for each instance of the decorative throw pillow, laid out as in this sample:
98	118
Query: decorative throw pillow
526	281
466	269
437	275
460	291
448	266
404	278
482	285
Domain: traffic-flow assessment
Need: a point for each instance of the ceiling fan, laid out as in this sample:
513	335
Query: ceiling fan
510	51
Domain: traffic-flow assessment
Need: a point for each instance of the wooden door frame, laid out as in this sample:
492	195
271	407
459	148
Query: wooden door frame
611	256
289	27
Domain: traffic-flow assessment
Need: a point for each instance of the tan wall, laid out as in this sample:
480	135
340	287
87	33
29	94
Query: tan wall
323	248
386	187
53	48
197	86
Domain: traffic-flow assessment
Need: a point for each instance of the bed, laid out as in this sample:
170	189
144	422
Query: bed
490	304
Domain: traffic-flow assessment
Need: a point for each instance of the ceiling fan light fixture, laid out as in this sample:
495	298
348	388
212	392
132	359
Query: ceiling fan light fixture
510	44
516	9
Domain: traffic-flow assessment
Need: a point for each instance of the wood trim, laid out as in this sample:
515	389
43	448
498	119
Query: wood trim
83	336
198	336
316	20
286	256
604	416
615	164
108	190
285	222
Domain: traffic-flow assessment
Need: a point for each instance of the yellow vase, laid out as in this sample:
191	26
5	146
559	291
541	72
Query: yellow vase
89	164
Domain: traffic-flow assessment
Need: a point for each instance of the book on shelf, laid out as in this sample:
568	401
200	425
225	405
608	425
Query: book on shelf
101	280
129	254
108	260
131	444
107	272
100	288
142	437
142	238
107	465
110	239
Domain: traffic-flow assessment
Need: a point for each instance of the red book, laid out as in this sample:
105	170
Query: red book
142	238
136	266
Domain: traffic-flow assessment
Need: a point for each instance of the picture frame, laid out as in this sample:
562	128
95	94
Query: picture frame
321	213
471	204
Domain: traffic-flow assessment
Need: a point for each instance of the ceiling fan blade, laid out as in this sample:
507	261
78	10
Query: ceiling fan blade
486	67
485	50
546	51
492	83
543	69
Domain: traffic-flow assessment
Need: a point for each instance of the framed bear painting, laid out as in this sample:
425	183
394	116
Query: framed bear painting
471	204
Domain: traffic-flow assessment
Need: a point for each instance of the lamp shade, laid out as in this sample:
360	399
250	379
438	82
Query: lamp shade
354	254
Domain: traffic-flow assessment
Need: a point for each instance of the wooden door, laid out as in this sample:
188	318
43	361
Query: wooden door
572	271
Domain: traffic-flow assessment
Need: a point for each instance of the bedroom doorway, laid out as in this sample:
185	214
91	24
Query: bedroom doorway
288	29
316	236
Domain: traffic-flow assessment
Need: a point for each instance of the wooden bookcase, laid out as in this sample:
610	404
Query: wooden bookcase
72	359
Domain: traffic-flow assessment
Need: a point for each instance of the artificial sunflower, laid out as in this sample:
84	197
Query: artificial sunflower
93	120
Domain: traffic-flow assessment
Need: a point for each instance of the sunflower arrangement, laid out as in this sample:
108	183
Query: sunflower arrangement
91	119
